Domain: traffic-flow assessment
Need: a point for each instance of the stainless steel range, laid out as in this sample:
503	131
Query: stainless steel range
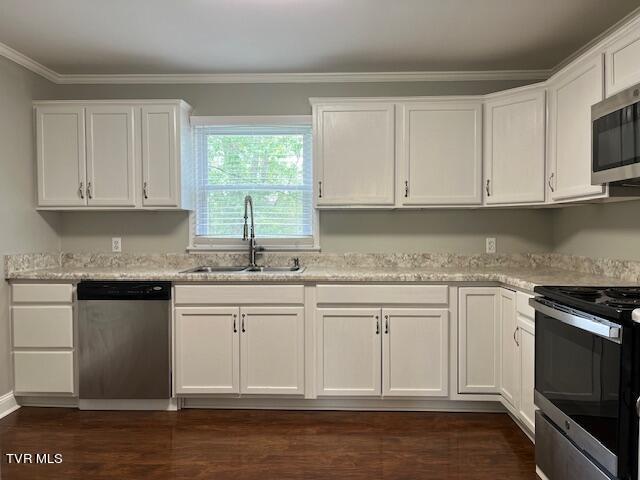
587	382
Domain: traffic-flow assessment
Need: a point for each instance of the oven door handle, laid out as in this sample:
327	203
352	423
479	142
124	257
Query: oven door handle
602	328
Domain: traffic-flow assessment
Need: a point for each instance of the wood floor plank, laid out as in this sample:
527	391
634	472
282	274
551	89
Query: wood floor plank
254	444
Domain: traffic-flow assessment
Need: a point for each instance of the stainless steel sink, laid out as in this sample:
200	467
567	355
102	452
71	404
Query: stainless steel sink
216	269
223	269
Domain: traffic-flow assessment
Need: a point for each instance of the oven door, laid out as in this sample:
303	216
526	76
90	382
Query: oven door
577	380
616	139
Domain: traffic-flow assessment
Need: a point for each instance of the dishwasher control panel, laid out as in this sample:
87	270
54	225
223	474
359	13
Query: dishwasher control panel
124	290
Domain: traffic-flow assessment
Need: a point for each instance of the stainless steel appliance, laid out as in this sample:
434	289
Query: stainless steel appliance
587	382
124	340
616	139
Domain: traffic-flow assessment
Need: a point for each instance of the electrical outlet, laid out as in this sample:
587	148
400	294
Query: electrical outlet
116	244
491	245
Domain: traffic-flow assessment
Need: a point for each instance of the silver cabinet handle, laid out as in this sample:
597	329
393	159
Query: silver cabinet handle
145	190
242	324
550	182
377	325
235	327
386	324
320	189
488	189
406	188
81	190
89	192
515	332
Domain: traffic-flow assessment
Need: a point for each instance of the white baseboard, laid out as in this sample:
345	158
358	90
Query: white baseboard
541	474
342	404
8	404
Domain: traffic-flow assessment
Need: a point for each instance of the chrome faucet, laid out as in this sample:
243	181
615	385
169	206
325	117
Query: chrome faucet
250	236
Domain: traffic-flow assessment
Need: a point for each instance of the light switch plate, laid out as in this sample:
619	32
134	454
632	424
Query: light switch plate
116	244
491	245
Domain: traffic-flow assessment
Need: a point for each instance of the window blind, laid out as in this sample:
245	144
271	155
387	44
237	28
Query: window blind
272	163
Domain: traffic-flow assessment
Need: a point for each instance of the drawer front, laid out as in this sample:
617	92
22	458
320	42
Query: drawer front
42	326
43	372
383	294
239	294
42	292
523	307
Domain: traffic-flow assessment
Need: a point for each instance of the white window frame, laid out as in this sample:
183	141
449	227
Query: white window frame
200	244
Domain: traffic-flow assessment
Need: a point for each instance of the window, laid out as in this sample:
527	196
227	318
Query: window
268	158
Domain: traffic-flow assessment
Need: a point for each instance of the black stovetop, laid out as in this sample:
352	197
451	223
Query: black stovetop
615	303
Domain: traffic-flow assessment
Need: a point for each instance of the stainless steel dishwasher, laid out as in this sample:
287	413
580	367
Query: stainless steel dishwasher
124	340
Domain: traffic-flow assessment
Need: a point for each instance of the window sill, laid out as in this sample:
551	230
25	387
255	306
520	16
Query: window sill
243	249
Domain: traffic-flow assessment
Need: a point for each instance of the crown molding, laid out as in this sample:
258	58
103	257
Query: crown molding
347	77
203	78
28	63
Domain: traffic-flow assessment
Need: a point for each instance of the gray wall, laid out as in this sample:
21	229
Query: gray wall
22	229
609	230
450	231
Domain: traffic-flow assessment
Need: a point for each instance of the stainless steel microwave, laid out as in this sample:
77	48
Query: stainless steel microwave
615	154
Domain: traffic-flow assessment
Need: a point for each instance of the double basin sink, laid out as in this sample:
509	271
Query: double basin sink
240	270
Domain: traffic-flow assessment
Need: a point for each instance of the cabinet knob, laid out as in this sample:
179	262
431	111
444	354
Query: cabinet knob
145	190
235	327
515	333
550	182
320	189
386	324
89	191
242	324
377	325
488	188
81	190
406	188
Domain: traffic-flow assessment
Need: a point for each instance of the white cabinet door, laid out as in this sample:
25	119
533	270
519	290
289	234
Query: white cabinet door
415	352
514	147
355	154
479	340
272	348
441	153
622	62
509	372
348	351
61	153
159	156
571	95
207	358
526	363
43	372
111	156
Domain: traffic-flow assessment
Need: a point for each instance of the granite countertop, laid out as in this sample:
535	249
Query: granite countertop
525	278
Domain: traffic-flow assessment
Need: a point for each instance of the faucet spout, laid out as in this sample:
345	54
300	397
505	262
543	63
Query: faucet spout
247	234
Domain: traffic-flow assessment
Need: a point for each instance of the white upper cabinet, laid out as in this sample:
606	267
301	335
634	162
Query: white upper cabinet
622	61
415	352
61	152
514	147
571	95
440	145
160	156
111	155
354	145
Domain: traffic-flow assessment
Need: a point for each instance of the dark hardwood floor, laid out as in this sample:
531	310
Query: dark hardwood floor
224	444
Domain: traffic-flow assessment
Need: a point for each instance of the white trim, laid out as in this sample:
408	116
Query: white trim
252	120
8	404
541	474
28	63
332	77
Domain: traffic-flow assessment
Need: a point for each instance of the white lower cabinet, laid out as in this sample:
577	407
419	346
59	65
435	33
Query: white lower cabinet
509	347
526	363
415	352
478	340
43	372
349	351
229	349
207	350
272	350
396	352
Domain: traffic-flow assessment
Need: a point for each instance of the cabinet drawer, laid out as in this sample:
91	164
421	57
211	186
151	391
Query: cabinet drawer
42	326
383	294
523	307
42	292
43	372
239	294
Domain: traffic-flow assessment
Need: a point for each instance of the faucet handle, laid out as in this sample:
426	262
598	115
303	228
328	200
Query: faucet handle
296	262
